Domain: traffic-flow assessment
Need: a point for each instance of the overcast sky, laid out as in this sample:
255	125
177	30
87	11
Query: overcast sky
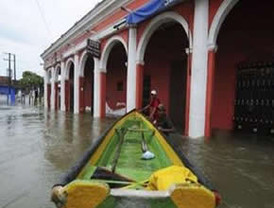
28	27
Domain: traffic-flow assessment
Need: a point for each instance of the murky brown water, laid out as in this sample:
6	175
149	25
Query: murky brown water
36	147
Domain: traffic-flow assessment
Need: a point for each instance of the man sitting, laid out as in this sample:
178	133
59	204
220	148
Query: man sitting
163	122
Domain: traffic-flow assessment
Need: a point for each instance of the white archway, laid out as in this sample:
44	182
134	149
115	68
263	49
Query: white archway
57	68
218	20
83	61
154	25
107	49
67	67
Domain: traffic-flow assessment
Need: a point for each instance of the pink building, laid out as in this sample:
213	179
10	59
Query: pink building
188	50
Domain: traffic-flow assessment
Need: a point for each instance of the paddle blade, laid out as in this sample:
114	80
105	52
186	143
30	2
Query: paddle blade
192	195
85	194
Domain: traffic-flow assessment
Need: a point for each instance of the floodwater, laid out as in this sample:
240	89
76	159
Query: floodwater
37	147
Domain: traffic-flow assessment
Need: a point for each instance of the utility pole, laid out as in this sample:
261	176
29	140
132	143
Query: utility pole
9	74
14	67
9	59
10	71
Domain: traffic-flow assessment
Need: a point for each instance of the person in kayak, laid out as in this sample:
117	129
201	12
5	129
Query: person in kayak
163	122
152	106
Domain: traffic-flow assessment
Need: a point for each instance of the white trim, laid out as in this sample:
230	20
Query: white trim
104	33
154	25
199	70
56	68
67	67
108	47
83	61
140	62
212	47
218	20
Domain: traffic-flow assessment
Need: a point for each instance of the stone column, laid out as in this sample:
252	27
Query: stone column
199	70
76	83
96	89
63	78
52	97
131	70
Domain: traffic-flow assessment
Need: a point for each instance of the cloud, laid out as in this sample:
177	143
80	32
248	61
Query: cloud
27	30
11	34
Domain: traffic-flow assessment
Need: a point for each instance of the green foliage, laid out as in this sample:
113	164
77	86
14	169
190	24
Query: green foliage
31	79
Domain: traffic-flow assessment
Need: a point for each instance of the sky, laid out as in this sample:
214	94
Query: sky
28	27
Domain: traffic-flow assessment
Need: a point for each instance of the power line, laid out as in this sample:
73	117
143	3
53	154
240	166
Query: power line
43	17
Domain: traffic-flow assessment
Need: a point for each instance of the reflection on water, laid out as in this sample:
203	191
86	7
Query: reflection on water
37	147
240	166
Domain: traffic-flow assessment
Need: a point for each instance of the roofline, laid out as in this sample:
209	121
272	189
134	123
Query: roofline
98	13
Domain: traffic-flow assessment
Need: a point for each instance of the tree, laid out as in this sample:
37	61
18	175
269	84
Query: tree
31	80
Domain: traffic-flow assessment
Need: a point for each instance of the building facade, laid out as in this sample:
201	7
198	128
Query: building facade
190	51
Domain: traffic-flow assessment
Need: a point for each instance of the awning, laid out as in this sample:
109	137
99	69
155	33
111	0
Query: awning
150	9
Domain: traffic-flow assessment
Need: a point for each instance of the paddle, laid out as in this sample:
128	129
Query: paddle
147	155
119	148
144	144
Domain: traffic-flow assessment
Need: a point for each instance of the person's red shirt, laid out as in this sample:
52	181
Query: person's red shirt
154	103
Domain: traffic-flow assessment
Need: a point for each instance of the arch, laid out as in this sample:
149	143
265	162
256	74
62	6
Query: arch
55	74
218	20
154	25
67	67
83	61
107	49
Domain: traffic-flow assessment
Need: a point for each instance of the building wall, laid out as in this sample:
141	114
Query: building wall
247	40
246	36
213	8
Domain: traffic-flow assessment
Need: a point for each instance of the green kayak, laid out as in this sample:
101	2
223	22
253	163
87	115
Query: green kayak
134	165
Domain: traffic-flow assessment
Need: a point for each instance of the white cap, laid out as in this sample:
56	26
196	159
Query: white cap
153	92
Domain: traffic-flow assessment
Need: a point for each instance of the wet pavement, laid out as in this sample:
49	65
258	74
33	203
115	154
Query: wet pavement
37	147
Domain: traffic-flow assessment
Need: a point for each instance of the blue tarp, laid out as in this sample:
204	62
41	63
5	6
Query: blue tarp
151	8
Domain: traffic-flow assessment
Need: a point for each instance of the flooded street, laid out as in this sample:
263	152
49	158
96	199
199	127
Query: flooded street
37	147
